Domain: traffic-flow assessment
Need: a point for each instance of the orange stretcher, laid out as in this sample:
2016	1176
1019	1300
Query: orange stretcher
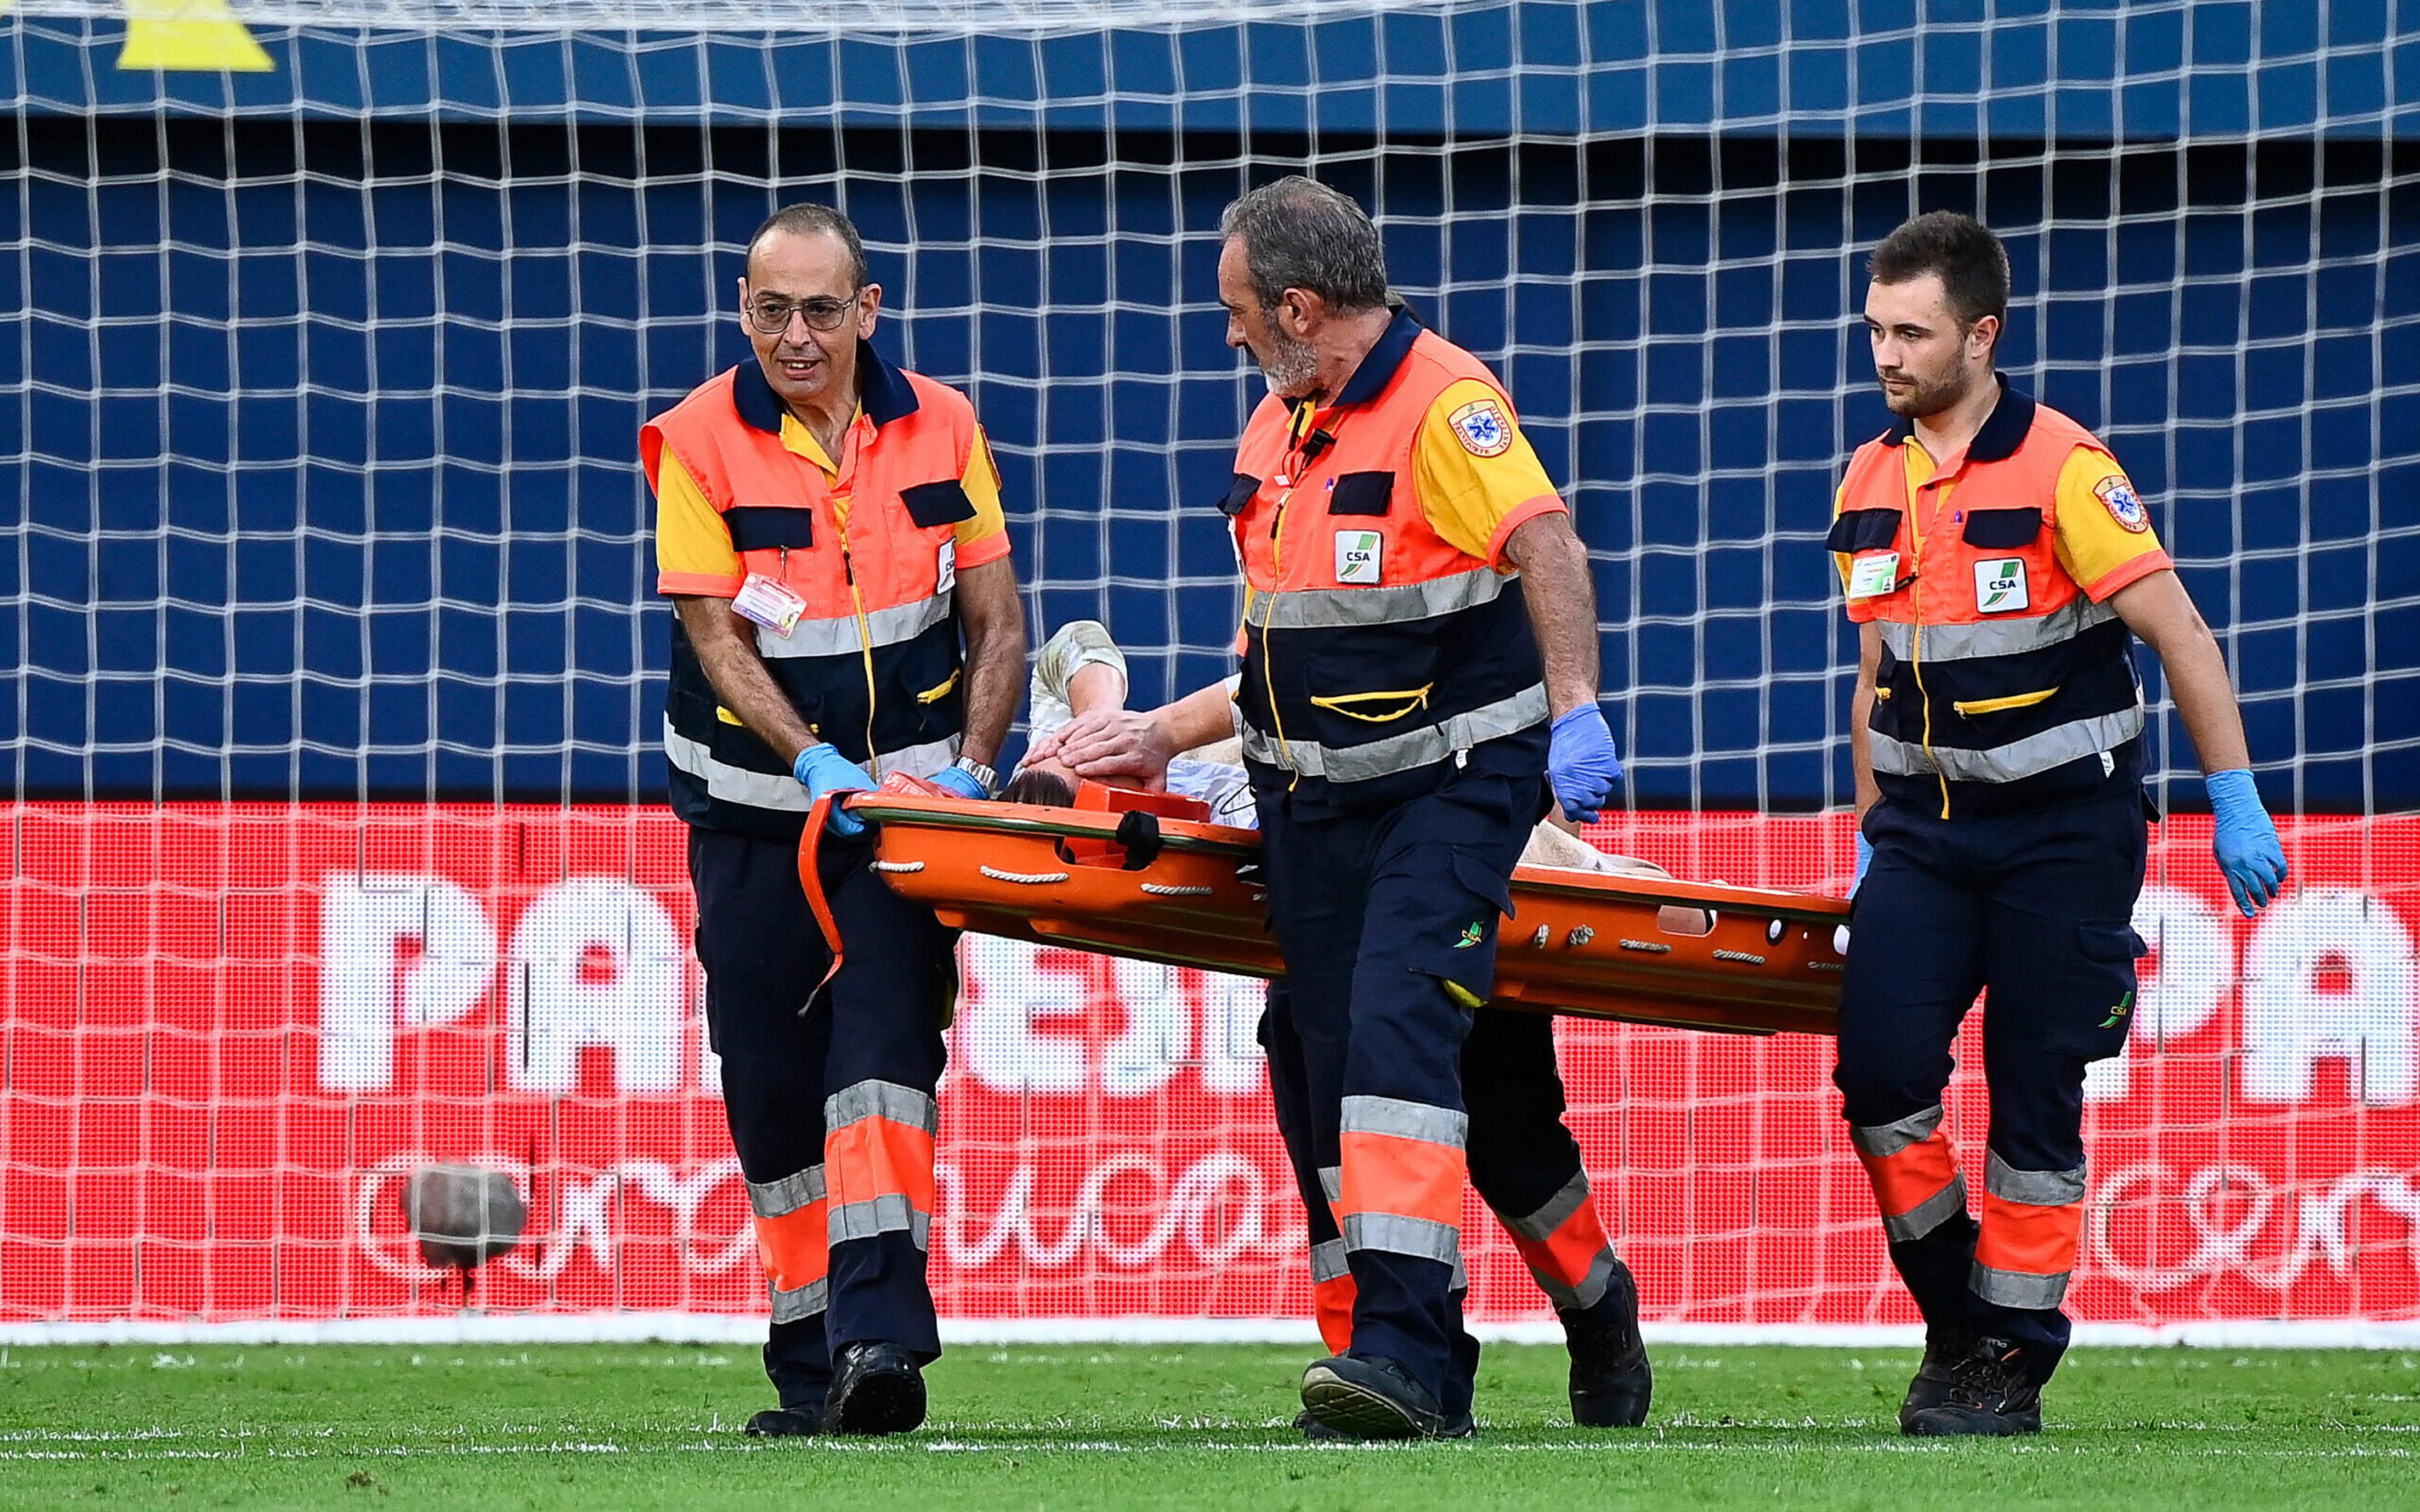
1140	874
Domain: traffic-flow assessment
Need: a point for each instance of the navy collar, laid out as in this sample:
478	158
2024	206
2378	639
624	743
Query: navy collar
882	388
2004	429
1384	361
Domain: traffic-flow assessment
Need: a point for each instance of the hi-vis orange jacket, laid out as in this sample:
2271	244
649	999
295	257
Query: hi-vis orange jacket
1376	654
872	664
2002	685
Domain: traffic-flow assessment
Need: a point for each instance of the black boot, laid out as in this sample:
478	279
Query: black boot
876	1388
1943	1348
1611	1381
1371	1397
1991	1392
1313	1430
788	1422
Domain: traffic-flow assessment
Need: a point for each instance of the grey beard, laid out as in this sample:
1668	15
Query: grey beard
1291	368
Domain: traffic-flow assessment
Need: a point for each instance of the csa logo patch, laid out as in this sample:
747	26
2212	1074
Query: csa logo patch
2124	507
2000	585
1358	558
1481	428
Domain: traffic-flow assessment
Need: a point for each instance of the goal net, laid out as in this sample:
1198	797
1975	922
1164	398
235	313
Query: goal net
336	846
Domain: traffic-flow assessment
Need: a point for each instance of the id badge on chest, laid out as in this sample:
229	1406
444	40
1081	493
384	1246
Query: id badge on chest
768	602
1874	576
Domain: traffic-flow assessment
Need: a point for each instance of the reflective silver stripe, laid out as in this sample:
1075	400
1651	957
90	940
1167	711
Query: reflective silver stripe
881	1099
1406	1121
780	790
2018	759
917	761
1395	1234
890	1214
1332	1180
1459	1282
1328	1260
1583	1295
1412	748
1882	1140
1996	637
1928	1215
1558	1210
2038	1188
837	635
771	1199
2017	1288
734	785
800	1304
1336	609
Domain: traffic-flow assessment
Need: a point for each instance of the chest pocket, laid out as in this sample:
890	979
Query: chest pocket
931	505
2001	529
1238	494
1361	493
770	528
1863	530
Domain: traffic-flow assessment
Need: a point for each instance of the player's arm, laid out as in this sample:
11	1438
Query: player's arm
1861	710
697	567
1124	742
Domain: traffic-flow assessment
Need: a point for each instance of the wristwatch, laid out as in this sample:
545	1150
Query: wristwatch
984	775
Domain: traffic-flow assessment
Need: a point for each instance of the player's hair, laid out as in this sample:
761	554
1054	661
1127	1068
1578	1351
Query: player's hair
1298	233
1034	785
809	219
1971	262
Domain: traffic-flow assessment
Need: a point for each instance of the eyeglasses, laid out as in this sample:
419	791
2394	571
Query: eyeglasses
772	316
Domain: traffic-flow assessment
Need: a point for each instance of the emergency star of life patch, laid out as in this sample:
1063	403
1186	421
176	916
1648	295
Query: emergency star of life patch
1358	556
2000	585
1482	428
2124	507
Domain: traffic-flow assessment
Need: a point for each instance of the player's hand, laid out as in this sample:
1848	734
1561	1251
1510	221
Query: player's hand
1581	764
2244	840
962	784
820	769
1108	744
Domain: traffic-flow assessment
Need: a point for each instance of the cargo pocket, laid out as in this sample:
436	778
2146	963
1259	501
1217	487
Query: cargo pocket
1358	697
934	504
2099	1012
1462	955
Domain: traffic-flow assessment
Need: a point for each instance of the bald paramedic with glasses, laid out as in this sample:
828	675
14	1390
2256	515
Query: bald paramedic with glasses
830	532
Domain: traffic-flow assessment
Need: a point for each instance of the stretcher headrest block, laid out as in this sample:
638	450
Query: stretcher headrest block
1108	797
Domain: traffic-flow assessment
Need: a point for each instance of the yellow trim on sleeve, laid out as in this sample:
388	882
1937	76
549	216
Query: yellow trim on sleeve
981	483
2087	535
1464	496
692	541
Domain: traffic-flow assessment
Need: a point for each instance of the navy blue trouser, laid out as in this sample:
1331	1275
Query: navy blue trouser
829	1108
1387	920
1521	1157
2034	910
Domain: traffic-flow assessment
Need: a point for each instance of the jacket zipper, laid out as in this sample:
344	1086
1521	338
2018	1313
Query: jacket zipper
1916	651
864	643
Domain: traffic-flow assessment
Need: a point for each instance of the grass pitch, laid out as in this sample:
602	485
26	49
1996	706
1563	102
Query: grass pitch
625	1427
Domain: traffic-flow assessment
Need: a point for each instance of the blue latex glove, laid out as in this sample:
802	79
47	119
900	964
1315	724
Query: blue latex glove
2244	842
1865	859
962	782
821	769
1580	763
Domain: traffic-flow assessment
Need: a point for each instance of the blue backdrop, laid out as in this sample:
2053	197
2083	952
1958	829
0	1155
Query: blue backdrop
328	379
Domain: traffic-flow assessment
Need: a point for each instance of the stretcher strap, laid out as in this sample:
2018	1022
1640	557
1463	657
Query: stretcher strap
811	880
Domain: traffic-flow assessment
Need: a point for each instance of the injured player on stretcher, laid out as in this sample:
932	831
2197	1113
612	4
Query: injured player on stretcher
1082	670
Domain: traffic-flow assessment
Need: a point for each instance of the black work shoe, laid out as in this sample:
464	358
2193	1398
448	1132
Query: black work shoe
1371	1397
1943	1350
1313	1430
876	1388
1991	1392
1611	1382
788	1422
